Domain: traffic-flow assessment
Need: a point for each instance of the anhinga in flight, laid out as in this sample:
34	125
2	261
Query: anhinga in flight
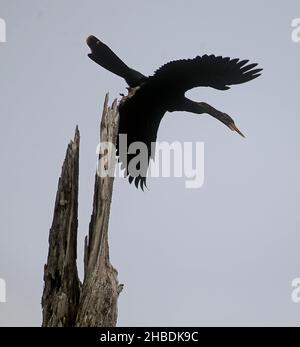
140	114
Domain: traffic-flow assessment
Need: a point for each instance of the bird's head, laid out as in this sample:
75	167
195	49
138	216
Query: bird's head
229	122
203	107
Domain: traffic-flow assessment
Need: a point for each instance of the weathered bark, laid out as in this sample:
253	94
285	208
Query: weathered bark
98	302
62	286
65	301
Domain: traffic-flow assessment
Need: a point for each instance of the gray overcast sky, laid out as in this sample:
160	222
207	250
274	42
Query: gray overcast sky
222	254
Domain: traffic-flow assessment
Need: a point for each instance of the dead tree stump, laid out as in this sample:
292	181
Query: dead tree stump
65	301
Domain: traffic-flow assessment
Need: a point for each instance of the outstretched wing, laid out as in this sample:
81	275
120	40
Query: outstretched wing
140	116
206	71
104	56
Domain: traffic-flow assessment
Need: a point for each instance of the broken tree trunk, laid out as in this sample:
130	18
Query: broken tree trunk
65	301
62	286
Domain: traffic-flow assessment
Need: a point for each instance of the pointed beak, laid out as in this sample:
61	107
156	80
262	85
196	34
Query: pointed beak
233	127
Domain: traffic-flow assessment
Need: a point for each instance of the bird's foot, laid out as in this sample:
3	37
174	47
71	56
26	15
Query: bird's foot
131	92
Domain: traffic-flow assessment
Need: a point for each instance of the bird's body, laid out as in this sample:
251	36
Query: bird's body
141	114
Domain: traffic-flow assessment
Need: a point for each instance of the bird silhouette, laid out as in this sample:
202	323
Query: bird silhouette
151	97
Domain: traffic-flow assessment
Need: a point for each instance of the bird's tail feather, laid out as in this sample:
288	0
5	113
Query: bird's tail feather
104	56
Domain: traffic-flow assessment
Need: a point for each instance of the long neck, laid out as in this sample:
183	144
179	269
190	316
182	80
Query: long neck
202	107
199	108
188	105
